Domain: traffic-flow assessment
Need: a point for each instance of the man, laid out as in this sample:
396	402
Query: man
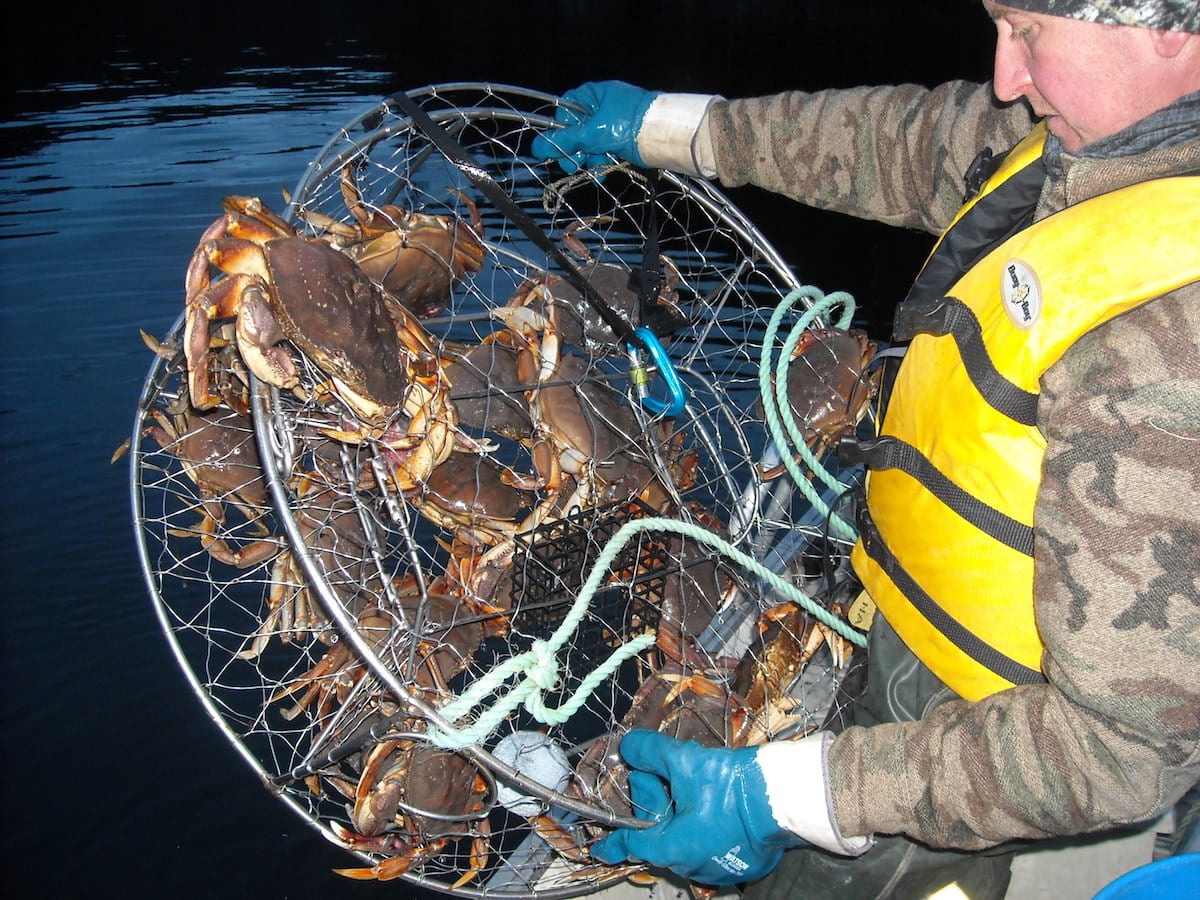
1031	534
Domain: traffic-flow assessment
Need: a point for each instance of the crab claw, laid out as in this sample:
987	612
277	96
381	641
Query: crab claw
391	869
165	350
259	337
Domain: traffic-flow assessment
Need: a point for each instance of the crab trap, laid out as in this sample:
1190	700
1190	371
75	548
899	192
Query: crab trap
475	466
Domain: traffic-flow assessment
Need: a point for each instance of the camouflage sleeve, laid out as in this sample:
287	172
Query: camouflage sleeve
895	154
1114	736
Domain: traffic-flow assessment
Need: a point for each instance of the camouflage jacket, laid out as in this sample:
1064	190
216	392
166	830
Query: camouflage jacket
1113	737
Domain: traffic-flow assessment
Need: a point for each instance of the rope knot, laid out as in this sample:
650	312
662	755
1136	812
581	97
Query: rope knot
543	668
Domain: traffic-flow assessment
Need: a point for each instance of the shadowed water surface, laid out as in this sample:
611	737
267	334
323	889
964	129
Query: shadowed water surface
113	774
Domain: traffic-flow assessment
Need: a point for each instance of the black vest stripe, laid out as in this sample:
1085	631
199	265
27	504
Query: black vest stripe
888	452
948	315
953	630
991	221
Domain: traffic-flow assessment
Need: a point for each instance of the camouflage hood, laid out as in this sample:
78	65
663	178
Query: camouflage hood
1169	15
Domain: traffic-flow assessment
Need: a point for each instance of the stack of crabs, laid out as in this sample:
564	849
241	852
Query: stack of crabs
333	317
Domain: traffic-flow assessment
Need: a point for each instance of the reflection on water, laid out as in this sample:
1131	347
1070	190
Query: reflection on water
113	775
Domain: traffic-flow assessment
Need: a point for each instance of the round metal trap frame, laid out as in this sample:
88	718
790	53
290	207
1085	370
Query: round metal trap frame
435	671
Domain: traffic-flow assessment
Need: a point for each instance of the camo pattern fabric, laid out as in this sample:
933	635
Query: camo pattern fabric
1113	737
1169	15
865	151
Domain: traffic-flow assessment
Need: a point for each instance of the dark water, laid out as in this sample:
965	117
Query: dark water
122	131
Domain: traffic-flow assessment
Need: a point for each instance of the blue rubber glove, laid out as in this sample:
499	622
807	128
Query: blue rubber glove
615	111
713	820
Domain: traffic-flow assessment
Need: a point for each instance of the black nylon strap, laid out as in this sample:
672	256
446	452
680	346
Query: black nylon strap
962	638
949	315
982	167
888	452
457	154
991	221
661	318
650	275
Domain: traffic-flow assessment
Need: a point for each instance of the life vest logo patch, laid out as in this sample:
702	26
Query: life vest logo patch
1022	293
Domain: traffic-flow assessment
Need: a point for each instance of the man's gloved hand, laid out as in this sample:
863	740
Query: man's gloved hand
714	820
614	114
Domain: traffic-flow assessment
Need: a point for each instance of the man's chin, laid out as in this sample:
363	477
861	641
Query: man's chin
1071	140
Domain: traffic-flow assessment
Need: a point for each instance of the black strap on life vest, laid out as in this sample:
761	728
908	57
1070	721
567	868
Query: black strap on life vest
958	634
928	309
992	220
889	452
940	316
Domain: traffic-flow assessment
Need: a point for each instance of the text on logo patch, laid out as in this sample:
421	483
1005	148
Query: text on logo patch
1022	293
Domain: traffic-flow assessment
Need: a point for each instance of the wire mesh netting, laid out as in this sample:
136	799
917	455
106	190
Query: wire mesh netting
425	575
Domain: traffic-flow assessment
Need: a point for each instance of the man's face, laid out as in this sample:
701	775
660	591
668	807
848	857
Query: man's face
1088	80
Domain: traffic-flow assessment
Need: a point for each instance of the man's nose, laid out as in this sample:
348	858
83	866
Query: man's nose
1010	75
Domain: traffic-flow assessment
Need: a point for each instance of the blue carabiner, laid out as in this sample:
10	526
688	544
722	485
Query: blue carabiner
678	400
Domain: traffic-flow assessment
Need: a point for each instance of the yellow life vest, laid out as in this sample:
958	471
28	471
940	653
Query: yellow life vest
946	545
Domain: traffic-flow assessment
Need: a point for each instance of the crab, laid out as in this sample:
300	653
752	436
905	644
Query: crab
482	579
227	376
442	642
333	534
278	287
331	679
427	794
694	588
468	496
571	843
581	428
829	386
217	451
428	640
676	699
444	785
417	257
379	360
401	855
578	321
786	641
486	390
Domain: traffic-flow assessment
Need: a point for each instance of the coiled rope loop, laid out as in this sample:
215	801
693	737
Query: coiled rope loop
778	411
538	666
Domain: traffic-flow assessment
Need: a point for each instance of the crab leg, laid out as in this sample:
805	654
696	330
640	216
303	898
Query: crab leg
250	555
391	869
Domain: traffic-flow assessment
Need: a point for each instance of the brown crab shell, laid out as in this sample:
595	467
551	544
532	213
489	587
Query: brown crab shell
337	317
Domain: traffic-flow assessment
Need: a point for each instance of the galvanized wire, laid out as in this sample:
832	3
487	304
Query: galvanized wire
324	613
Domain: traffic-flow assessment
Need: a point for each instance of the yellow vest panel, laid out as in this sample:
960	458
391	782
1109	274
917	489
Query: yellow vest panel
1033	296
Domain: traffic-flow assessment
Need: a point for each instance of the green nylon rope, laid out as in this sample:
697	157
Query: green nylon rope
778	411
537	668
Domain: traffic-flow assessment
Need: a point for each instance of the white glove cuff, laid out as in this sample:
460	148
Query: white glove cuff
797	778
671	137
